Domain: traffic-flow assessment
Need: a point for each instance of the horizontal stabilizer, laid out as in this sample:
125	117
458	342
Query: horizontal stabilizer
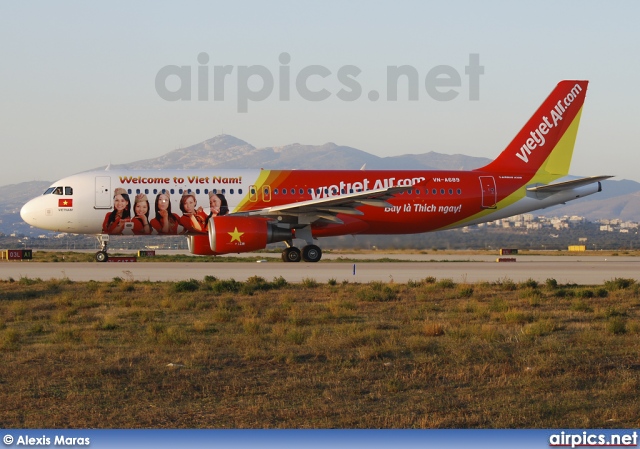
566	185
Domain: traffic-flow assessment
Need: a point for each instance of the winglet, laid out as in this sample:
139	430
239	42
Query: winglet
546	141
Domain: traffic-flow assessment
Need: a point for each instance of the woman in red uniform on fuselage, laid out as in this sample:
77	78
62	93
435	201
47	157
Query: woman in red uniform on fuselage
116	221
141	224
165	221
194	220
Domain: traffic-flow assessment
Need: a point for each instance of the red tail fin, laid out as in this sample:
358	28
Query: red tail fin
546	141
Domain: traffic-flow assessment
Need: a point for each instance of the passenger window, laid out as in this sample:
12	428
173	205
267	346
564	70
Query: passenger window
240	191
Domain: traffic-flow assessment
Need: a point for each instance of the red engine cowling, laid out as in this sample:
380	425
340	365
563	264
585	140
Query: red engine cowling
229	234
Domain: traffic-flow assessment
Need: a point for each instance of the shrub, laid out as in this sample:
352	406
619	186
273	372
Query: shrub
530	283
378	292
499	305
226	285
602	292
580	306
619	284
309	283
28	281
186	286
586	293
445	283
617	326
279	282
253	284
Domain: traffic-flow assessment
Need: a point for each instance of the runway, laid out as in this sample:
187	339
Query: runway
585	270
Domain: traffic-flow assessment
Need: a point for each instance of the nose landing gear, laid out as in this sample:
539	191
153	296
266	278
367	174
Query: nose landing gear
102	256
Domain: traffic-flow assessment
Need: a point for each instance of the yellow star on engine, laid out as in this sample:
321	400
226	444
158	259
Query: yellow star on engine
235	235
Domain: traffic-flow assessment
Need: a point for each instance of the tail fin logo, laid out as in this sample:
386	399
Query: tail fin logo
537	138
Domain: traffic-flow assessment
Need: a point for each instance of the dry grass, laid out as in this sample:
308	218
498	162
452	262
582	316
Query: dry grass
258	354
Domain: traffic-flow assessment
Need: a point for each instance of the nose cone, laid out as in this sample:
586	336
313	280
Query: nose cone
28	213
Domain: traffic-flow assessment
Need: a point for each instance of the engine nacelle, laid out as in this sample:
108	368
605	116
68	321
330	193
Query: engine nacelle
230	234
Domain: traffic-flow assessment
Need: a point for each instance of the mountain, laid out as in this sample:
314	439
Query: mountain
619	199
12	198
226	151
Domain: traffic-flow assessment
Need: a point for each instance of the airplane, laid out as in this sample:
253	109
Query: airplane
245	210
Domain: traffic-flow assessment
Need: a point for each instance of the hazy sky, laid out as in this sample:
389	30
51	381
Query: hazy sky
78	79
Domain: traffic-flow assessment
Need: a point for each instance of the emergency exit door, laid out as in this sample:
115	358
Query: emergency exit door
489	192
103	192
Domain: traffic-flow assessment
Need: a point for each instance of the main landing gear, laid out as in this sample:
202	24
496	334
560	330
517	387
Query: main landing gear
102	256
309	253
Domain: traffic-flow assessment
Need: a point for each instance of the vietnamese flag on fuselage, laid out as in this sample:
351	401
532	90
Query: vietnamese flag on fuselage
65	202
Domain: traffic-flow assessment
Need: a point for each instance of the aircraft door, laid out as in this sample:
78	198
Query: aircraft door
103	192
489	192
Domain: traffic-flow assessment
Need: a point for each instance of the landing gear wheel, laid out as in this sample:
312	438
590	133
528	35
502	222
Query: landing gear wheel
291	254
101	256
311	253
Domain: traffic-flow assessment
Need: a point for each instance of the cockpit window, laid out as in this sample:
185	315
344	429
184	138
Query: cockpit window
58	190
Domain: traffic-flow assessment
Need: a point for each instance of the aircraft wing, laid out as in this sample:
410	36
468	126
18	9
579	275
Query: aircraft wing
566	185
326	209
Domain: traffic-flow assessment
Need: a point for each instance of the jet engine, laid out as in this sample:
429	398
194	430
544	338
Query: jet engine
231	234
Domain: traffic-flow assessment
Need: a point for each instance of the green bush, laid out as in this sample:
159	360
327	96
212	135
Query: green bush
186	286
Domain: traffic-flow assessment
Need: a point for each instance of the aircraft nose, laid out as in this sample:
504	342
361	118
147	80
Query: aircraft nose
28	212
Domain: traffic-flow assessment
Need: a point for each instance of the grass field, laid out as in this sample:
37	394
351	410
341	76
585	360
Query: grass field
264	354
